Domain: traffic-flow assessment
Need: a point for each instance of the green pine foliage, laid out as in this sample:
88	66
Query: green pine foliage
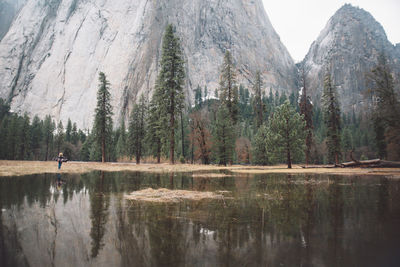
260	153
154	131
121	148
168	98
386	111
224	137
286	134
228	90
306	109
103	124
258	104
137	129
332	120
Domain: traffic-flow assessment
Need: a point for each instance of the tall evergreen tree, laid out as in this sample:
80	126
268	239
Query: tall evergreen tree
102	128
74	134
24	136
197	97
258	105
48	134
59	137
68	131
205	93
137	128
387	109
224	140
287	133
332	119
306	109
260	154
121	149
153	133
36	136
228	90
169	87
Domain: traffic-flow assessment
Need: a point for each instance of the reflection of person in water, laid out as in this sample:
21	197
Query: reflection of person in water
59	181
60	159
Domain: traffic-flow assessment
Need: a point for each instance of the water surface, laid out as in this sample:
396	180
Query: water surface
264	220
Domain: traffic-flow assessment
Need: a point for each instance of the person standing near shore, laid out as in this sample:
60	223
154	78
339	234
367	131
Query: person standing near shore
60	159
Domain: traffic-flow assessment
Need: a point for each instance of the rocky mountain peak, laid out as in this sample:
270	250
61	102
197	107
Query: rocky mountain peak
348	47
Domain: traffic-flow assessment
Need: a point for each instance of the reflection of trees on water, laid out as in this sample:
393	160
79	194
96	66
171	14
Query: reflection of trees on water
270	221
99	203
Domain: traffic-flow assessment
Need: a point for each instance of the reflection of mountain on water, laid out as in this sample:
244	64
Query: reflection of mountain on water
271	221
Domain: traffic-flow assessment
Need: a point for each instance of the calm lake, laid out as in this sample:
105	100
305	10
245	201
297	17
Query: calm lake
263	220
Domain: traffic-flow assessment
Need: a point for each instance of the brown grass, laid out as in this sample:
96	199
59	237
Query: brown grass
16	168
163	195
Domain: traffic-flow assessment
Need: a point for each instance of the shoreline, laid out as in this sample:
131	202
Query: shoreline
18	168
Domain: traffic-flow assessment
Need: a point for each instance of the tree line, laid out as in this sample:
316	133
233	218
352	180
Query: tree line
228	126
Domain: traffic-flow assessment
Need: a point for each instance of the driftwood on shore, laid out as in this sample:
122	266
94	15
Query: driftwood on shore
373	163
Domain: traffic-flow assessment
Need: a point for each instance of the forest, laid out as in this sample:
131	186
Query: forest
227	126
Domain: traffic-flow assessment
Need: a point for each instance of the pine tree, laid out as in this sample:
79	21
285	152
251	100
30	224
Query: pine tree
68	131
169	93
122	140
331	119
197	97
258	105
137	128
306	109
380	142
224	139
228	91
102	128
48	134
36	136
59	136
25	133
13	137
4	109
260	154
205	93
287	133
74	134
153	133
4	125
387	108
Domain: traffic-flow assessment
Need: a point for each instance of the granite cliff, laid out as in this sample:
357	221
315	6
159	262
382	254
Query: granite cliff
53	50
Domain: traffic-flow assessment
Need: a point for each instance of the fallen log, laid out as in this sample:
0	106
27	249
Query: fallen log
318	166
373	163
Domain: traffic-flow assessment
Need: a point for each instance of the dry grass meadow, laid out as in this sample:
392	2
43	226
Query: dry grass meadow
17	168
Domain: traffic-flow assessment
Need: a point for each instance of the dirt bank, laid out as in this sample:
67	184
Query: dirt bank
16	168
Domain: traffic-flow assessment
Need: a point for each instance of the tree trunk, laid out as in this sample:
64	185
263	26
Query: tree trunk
158	151
103	149
172	142
183	136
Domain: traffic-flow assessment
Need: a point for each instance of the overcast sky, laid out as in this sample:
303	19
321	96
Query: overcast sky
299	22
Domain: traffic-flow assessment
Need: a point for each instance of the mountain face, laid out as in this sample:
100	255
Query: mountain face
53	51
348	48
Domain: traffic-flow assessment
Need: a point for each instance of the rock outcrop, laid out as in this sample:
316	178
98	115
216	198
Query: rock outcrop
52	53
348	48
